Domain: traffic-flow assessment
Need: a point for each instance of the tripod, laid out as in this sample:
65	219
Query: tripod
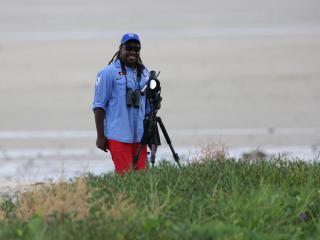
152	138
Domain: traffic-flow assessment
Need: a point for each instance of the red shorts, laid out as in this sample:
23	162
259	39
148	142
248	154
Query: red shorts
122	155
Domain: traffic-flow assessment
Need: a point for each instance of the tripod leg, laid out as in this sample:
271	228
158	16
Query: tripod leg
153	154
168	140
136	156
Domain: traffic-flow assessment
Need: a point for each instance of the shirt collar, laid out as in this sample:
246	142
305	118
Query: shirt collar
117	63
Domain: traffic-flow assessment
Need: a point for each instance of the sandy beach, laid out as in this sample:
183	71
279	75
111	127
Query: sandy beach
241	74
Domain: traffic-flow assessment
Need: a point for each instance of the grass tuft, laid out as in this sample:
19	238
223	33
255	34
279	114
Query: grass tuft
62	198
211	151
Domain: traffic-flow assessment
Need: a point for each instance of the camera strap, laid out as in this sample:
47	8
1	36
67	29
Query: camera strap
123	69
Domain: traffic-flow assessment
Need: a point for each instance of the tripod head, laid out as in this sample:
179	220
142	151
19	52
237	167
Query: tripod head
153	91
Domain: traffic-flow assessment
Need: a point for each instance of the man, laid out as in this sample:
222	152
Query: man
120	107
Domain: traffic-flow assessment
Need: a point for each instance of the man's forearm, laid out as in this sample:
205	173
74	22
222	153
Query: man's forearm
99	114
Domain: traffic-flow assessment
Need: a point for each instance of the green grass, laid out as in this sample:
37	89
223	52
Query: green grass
212	199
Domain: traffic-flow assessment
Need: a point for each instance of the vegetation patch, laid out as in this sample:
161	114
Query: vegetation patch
217	198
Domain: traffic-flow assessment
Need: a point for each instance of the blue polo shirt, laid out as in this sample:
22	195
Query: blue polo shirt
121	123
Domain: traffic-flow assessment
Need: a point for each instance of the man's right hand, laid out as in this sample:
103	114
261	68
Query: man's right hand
102	143
101	139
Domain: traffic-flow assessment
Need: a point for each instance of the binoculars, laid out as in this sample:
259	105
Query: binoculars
133	98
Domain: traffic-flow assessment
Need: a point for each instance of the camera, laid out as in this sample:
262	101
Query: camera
153	90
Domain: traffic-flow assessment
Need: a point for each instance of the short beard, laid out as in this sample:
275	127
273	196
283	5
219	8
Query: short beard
131	65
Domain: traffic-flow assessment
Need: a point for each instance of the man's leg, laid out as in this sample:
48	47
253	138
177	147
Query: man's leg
121	154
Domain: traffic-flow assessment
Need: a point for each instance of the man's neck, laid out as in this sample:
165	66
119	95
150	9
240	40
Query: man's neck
132	66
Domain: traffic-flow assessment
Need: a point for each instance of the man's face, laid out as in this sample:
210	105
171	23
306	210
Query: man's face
130	52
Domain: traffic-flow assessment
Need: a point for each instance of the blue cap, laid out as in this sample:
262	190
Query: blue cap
129	36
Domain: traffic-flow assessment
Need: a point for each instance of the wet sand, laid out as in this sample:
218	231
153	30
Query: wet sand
242	74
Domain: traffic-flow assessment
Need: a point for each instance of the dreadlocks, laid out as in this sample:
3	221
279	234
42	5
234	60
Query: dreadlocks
139	65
